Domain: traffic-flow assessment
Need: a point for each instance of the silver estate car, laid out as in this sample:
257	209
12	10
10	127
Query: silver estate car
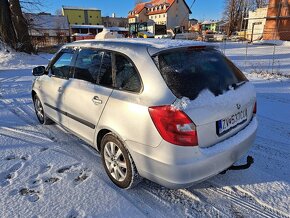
174	112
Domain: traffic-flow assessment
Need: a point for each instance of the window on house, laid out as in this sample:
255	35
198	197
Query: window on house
90	16
80	16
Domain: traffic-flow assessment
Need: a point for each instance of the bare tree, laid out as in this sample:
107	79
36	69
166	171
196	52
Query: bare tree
31	5
261	3
13	25
20	27
233	13
7	33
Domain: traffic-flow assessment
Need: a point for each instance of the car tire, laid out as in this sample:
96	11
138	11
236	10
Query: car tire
118	163
41	116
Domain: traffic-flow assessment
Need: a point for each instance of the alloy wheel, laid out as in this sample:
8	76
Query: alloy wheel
39	109
115	161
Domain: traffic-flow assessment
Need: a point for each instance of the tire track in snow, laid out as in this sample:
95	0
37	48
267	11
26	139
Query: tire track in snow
256	207
277	121
181	201
248	194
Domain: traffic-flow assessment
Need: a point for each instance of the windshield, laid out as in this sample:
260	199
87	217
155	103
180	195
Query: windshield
188	71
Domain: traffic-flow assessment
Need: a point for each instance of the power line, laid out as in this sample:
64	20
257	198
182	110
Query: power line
189	9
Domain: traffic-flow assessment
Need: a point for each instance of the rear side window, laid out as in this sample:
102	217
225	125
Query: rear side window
94	66
188	71
127	78
61	67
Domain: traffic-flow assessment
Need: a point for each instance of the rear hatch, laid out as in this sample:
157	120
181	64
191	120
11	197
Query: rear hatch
210	89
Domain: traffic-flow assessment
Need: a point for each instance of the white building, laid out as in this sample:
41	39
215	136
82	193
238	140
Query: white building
256	23
171	13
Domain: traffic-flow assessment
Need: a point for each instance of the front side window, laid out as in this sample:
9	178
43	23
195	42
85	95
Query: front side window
94	66
127	78
61	67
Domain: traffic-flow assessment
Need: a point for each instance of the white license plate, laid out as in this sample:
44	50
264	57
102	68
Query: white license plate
231	122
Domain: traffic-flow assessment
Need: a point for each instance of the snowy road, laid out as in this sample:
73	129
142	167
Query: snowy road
47	172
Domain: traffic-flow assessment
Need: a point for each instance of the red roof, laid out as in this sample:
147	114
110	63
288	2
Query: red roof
139	7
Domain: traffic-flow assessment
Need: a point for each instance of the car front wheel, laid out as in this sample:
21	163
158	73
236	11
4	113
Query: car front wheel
41	116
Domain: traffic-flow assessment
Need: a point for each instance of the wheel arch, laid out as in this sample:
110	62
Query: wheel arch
100	136
102	132
33	93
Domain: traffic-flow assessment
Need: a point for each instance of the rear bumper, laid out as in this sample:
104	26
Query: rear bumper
176	167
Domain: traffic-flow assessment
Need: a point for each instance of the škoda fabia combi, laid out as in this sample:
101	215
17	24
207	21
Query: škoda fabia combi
174	112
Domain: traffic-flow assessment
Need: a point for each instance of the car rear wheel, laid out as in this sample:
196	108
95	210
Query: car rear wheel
118	163
41	116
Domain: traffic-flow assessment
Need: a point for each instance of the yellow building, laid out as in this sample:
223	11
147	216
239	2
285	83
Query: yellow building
82	16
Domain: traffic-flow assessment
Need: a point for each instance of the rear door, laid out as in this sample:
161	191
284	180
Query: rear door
88	91
54	84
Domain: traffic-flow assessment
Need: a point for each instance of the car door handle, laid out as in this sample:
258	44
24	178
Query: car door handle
96	100
60	89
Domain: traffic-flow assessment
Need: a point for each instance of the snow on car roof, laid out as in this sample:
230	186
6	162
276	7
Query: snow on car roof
158	44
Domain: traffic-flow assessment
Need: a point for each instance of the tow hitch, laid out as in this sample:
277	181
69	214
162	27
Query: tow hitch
250	161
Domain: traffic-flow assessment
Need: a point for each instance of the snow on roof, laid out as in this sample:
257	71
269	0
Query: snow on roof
158	44
79	8
47	21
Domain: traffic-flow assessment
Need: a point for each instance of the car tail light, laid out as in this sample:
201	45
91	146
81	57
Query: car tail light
255	108
174	125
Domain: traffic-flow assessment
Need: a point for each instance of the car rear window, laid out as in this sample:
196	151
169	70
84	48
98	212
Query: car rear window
188	71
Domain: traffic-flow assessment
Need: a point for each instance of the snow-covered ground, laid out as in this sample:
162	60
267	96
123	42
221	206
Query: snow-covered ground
259	58
47	172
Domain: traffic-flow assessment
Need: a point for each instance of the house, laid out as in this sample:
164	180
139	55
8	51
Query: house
277	26
82	16
171	13
256	23
192	21
115	21
212	25
46	29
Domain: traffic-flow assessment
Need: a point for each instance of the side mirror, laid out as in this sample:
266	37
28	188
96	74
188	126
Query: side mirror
38	71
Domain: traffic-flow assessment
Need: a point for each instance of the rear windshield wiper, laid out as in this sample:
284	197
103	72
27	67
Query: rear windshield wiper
237	85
